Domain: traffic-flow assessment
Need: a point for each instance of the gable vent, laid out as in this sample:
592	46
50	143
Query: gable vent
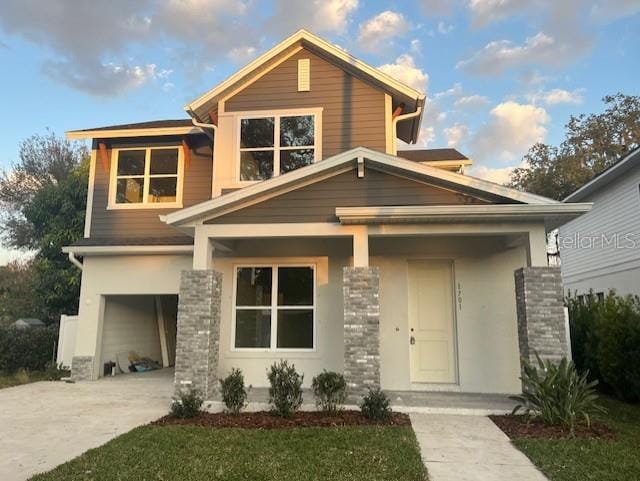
304	70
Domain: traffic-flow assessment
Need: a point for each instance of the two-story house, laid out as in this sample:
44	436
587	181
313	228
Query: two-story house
280	221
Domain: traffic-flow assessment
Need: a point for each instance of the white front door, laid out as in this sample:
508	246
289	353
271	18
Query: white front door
431	322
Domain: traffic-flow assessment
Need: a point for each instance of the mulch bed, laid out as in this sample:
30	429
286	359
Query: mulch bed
267	420
516	427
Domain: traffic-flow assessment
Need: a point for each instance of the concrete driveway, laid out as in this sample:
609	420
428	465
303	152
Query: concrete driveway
45	424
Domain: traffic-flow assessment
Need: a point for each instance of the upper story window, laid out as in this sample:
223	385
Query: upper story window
276	144
146	178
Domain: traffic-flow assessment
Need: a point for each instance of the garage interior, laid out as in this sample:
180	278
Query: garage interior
138	329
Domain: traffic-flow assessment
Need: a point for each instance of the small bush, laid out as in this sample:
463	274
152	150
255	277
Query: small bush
605	342
557	394
330	390
29	349
53	372
234	392
285	392
376	405
186	404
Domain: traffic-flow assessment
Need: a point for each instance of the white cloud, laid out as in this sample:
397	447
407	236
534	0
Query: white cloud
456	134
242	54
606	10
454	91
484	12
381	29
471	102
443	28
511	130
320	16
416	46
557	96
438	7
498	175
100	79
498	56
404	69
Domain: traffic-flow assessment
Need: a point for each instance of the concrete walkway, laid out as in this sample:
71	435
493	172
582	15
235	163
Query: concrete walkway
469	448
45	424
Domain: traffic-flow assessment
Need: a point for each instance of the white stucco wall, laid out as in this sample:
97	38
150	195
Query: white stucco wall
120	275
130	324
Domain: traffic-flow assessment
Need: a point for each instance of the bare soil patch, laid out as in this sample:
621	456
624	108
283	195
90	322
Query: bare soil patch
517	427
267	420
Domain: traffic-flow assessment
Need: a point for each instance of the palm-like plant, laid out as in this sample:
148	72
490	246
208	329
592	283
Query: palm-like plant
557	394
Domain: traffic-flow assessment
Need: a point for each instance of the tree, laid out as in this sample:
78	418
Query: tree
44	200
16	293
592	143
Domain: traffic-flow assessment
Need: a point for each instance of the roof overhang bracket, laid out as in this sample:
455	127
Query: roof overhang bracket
360	167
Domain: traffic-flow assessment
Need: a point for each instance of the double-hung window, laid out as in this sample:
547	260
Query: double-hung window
146	177
276	144
274	307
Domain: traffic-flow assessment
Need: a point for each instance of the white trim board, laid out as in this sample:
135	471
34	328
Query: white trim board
345	160
128	250
147	132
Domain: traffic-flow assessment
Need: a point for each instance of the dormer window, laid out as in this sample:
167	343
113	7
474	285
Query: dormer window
276	144
146	178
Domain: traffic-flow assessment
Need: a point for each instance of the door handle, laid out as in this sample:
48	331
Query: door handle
412	340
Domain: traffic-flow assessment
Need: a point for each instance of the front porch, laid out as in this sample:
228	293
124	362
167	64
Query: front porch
364	307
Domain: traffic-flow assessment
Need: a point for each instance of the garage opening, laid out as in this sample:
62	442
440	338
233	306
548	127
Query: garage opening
138	332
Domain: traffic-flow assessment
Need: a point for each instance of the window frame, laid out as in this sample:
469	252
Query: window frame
274	308
147	176
276	149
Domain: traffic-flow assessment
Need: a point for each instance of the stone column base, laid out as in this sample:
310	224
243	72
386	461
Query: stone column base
198	337
82	368
361	328
540	309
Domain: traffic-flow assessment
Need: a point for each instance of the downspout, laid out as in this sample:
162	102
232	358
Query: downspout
400	118
74	260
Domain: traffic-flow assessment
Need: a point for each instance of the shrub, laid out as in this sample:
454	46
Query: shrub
618	345
375	405
330	390
285	392
234	392
605	341
556	393
186	404
53	372
29	349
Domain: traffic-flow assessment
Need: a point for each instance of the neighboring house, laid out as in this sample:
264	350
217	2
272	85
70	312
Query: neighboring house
281	222
26	323
601	250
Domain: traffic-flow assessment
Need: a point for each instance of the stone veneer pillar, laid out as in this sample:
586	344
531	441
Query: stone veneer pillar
540	309
82	368
361	328
198	336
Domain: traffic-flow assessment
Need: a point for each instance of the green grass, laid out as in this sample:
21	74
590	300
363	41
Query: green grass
583	460
21	377
189	453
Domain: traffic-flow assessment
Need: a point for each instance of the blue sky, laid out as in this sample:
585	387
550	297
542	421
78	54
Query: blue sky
499	75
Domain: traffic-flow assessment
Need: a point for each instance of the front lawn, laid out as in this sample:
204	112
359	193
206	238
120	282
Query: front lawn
190	453
588	459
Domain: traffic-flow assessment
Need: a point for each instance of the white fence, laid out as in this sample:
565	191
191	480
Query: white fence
67	340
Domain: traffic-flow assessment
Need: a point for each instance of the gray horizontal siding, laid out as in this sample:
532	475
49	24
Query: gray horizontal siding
353	111
317	202
616	211
131	223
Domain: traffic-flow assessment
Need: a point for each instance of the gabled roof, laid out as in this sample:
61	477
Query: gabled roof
604	178
342	163
431	155
401	93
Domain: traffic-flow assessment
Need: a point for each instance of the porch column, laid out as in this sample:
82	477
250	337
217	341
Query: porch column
540	311
361	320
198	336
